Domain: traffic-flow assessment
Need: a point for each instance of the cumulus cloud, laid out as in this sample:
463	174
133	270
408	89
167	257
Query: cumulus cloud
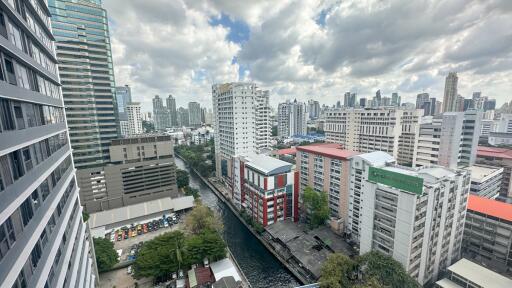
312	48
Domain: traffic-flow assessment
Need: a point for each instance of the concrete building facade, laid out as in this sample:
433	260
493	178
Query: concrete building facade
391	130
194	114
415	215
134	119
160	114
171	108
142	168
450	93
485	180
292	119
123	97
498	157
44	241
326	168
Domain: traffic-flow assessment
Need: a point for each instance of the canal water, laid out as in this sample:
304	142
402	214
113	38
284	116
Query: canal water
260	267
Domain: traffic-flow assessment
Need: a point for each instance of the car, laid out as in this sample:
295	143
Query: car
126	236
129	270
112	237
134	233
119	236
145	228
165	223
180	274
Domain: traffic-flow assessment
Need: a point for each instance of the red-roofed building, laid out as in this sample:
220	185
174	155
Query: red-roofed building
498	157
488	234
326	167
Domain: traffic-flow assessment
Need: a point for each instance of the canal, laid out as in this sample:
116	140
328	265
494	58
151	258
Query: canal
260	267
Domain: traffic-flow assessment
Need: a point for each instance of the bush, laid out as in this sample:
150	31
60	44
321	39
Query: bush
106	256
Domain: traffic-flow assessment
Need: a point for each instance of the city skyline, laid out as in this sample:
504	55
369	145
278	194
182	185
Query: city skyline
295	60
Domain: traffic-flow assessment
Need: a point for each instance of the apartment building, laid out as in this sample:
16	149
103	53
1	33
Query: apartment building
265	188
449	140
134	119
123	97
44	241
415	215
291	119
498	157
160	114
141	169
194	114
488	234
450	92
326	168
485	180
391	130
237	107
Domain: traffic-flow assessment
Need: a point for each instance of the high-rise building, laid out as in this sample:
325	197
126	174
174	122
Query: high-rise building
427	104
161	115
235	112
498	157
194	114
396	100
377	99
263	122
183	118
171	107
459	104
291	119
349	100
44	241
87	76
362	102
314	109
123	97
450	140
124	128
134	118
391	130
208	117
450	93
415	216
421	99
490	104
326	168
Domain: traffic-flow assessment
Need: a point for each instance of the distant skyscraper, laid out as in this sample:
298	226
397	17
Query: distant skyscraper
194	114
468	104
160	114
171	107
83	49
263	123
421	99
123	97
490	104
349	99
396	100
183	117
313	109
378	98
134	119
338	104
291	119
459	105
450	93
44	241
362	102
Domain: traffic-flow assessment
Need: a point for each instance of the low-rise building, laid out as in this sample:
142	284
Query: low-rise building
265	188
141	169
202	135
498	157
415	215
485	180
326	168
488	234
498	138
465	273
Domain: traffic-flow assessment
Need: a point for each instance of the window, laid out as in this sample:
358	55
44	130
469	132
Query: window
14	35
44	188
9	69
17	165
27	158
7	237
22	74
18	114
6	114
3	28
26	211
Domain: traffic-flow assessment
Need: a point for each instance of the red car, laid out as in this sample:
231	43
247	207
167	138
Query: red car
145	228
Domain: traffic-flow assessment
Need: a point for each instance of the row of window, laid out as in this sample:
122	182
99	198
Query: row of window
16	115
20	218
17	74
15	164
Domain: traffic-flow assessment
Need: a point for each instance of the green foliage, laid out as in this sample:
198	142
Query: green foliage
336	271
199	157
189	191
317	207
207	244
201	219
163	255
182	178
106	256
385	270
85	216
377	270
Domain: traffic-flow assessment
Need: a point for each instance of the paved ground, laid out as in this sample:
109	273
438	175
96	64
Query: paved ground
121	279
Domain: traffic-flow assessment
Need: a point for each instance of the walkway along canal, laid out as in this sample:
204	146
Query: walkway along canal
260	267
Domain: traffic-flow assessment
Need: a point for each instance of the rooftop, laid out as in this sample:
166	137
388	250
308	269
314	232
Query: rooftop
480	172
268	165
286	151
479	275
490	207
116	215
329	150
377	158
494	152
224	268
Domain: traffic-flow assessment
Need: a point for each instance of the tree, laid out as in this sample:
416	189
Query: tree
336	271
106	256
208	244
202	218
317	207
161	256
182	178
385	270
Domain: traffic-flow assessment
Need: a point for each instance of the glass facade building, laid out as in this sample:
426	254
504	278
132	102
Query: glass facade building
43	239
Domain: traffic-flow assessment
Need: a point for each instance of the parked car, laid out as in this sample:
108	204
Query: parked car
180	274
145	228
129	270
112	237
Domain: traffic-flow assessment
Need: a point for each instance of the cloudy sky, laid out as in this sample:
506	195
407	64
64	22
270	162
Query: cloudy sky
311	49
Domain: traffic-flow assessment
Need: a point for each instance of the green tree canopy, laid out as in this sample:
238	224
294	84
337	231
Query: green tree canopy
385	270
106	256
201	219
182	178
161	256
207	244
317	207
336	271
